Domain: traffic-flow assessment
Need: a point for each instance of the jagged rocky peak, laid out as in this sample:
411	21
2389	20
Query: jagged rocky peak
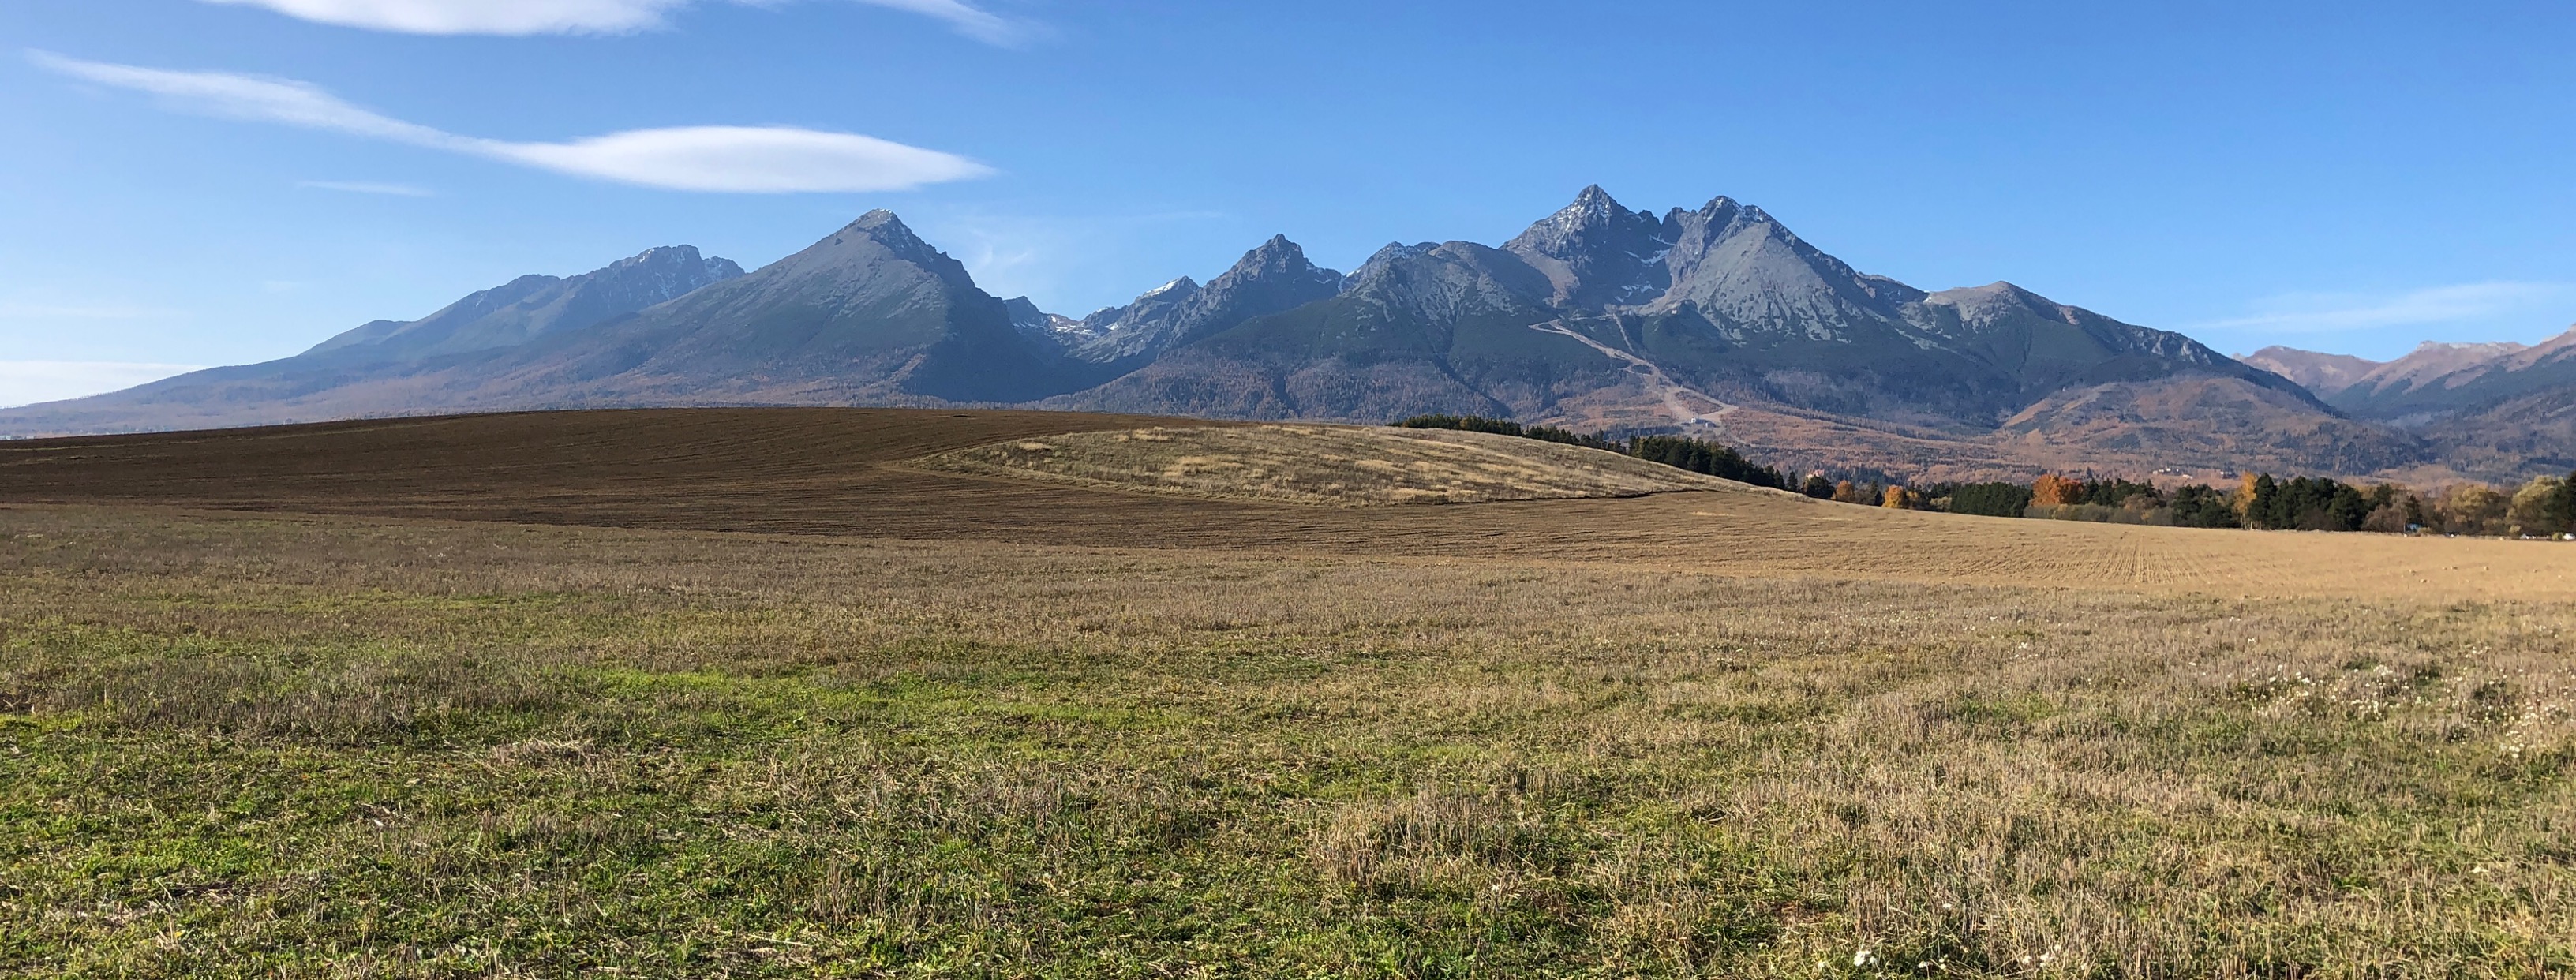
682	260
877	252
885	229
1278	256
1274	277
1038	323
1736	263
1173	291
1597	253
1280	264
1593	213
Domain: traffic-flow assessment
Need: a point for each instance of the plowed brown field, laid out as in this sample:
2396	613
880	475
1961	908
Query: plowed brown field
846	472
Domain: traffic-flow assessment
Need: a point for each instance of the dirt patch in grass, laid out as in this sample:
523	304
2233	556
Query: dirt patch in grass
1332	465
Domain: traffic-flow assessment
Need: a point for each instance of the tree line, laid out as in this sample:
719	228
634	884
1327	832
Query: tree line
1680	452
2543	507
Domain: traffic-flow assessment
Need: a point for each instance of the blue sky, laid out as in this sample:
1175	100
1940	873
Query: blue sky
195	182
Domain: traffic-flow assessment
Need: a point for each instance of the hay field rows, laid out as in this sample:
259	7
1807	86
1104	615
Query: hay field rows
720	698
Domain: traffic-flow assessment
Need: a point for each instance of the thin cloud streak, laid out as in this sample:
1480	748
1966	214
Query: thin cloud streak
2336	313
972	21
738	159
526	17
364	187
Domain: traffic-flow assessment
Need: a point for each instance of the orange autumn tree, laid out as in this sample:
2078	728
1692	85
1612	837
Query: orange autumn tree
2053	490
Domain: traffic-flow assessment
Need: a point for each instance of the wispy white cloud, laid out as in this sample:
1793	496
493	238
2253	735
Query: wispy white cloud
513	17
972	21
30	382
522	17
365	187
752	159
2339	312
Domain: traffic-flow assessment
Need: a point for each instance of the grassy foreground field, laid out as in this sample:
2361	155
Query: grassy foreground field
963	726
240	746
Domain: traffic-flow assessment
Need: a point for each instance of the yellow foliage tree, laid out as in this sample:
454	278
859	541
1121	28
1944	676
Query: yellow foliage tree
1899	498
2529	512
2053	490
2474	509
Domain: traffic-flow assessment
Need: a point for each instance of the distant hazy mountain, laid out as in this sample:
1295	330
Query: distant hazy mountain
869	314
367	370
2499	411
533	306
2440	379
1717	320
2322	374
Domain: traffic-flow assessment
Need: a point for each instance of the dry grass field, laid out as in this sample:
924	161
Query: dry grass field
1332	465
753	694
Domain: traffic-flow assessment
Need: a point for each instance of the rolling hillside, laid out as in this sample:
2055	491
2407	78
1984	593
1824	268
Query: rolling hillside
860	473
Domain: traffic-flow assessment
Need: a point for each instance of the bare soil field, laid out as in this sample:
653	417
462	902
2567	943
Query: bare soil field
853	472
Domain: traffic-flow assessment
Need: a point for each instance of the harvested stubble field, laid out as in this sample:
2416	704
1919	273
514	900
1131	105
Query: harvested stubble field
1710	733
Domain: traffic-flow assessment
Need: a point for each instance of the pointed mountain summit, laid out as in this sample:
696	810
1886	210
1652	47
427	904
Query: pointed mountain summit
868	312
1272	278
1596	253
1744	273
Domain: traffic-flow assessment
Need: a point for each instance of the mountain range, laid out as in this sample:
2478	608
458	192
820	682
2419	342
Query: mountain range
1717	321
2494	409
